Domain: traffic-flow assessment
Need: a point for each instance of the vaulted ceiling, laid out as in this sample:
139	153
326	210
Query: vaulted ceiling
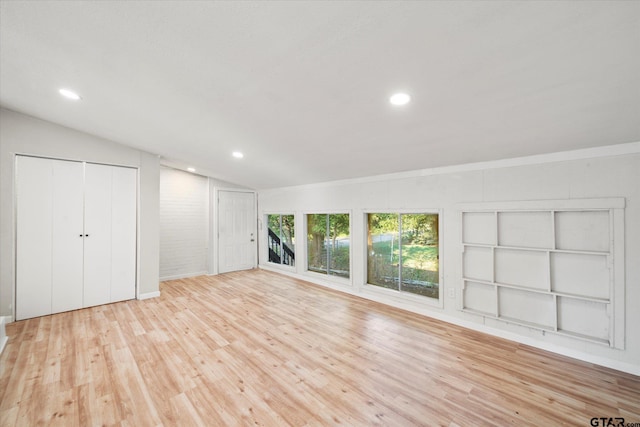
302	88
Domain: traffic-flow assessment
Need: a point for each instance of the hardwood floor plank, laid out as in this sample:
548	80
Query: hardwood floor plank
9	417
204	399
257	348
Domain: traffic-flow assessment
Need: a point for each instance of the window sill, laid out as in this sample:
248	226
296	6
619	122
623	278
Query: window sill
402	297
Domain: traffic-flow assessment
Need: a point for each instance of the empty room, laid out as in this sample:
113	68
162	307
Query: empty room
319	213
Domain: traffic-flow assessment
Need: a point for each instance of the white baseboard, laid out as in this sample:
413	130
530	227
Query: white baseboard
149	295
183	276
3	334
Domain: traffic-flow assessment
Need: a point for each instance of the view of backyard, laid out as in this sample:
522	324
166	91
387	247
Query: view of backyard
402	249
410	263
281	239
328	244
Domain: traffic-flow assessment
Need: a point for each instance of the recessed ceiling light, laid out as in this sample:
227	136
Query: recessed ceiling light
69	94
237	154
400	99
191	169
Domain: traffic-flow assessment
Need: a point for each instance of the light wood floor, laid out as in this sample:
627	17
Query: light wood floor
258	348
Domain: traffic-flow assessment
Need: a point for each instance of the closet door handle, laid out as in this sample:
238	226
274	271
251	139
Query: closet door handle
86	235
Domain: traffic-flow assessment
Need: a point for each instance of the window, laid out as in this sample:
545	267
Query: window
403	252
328	244
281	239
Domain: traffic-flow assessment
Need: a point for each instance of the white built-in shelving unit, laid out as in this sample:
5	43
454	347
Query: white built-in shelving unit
556	266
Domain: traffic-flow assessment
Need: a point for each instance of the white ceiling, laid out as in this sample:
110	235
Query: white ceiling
302	88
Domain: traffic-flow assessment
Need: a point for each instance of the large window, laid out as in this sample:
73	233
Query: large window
281	239
328	244
403	252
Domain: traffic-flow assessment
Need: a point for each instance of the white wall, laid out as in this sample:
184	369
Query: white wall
149	226
22	134
595	173
184	224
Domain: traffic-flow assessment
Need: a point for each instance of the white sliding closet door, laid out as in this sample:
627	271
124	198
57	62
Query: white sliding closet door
123	234
110	234
67	236
34	210
97	230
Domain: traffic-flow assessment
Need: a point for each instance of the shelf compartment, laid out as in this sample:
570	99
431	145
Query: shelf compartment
477	263
580	274
522	268
479	227
584	318
480	297
525	229
527	307
583	230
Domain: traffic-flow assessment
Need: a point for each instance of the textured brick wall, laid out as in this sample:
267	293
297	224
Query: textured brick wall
184	212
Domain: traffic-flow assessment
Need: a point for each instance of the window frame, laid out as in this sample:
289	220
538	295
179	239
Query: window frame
306	246
398	294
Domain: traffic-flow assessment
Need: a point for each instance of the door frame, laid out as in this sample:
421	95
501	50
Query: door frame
215	233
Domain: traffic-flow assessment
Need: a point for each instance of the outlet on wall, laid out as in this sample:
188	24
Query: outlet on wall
452	292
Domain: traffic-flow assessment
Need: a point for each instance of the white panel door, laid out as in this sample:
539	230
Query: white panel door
34	195
68	236
97	231
236	231
123	234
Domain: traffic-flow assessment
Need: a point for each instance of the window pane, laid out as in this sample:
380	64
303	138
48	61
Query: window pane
281	239
274	239
382	250
328	244
274	222
338	245
316	241
420	254
287	234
